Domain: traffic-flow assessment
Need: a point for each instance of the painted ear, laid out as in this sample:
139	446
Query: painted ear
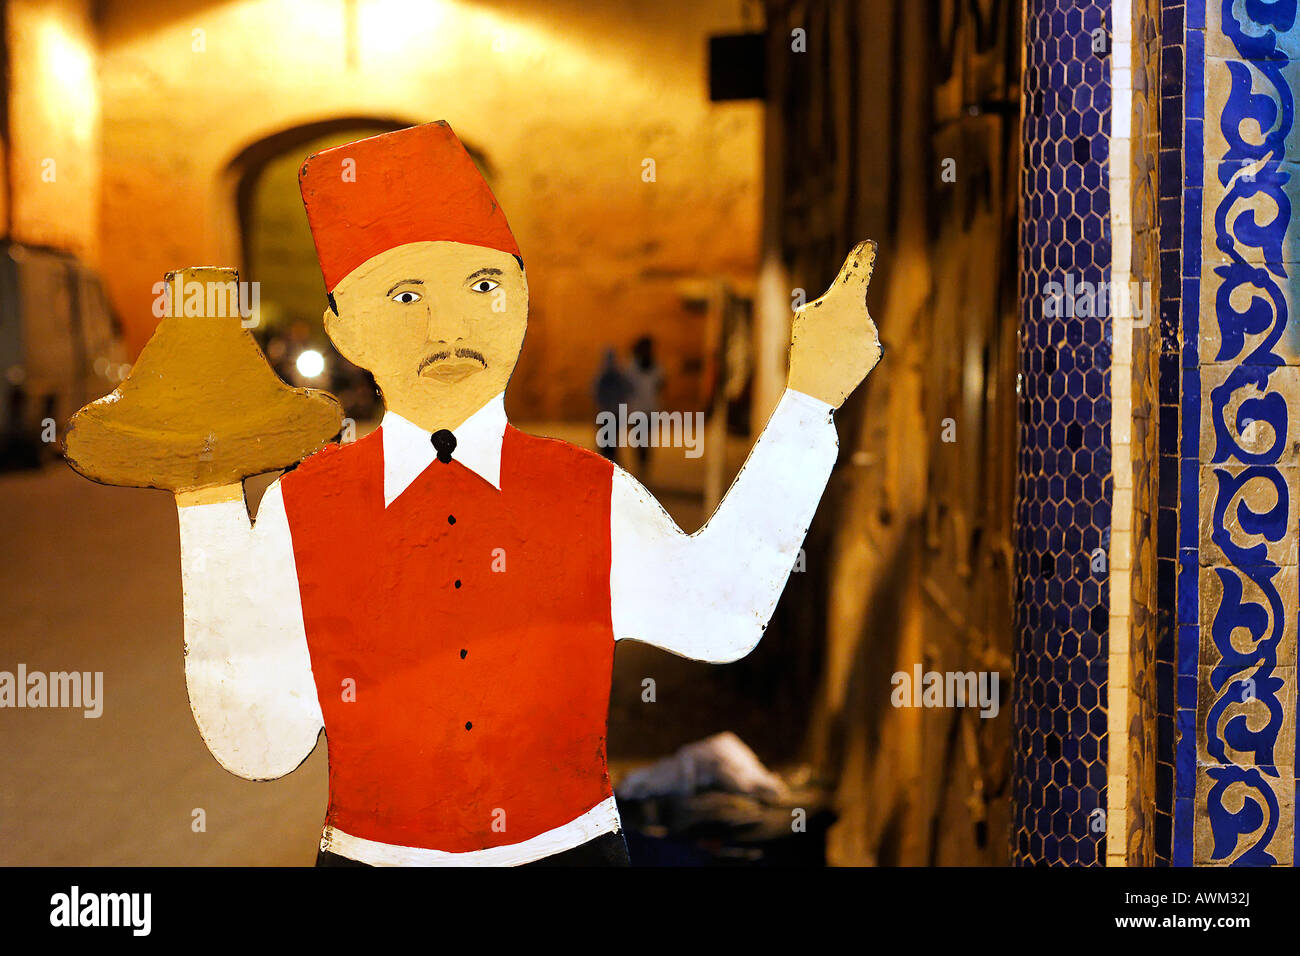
201	407
337	331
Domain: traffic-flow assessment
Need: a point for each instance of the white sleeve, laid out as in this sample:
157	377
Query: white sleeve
246	661
709	595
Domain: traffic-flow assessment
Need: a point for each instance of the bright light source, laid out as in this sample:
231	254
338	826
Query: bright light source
310	363
68	58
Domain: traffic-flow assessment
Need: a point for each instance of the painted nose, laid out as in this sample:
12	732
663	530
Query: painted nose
445	327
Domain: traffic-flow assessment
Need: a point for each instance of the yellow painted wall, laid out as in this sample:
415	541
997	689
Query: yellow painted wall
565	99
53	149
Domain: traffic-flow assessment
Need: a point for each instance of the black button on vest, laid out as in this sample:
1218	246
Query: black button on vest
444	443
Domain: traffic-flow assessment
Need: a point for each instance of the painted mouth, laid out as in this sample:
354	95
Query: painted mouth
452	366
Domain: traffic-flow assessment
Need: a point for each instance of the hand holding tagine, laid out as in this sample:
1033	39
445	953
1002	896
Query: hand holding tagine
201	409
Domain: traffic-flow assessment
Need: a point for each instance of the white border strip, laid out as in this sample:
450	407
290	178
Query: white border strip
600	819
1121	399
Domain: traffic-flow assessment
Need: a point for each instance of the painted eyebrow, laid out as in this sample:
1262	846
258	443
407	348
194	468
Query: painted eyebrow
405	282
483	272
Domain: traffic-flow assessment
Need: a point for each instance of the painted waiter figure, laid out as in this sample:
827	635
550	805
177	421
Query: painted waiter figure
443	596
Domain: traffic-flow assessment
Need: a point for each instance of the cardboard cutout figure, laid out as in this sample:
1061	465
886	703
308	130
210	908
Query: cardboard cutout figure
443	596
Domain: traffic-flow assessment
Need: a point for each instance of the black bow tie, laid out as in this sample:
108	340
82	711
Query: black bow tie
444	443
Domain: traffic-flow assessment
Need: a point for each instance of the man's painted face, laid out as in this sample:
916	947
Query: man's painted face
438	324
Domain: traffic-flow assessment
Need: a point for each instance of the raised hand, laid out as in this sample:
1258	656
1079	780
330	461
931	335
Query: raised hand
834	344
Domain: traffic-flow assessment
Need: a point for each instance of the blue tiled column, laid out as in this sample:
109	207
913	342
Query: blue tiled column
1063	485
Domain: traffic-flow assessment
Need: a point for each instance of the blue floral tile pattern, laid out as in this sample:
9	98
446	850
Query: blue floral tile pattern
1235	785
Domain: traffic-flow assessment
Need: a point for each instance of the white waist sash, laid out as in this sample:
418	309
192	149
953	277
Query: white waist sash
600	819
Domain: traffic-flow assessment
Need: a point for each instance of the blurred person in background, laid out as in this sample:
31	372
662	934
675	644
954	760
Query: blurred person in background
612	389
645	383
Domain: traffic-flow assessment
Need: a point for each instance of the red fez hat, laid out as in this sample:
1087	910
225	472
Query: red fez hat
411	185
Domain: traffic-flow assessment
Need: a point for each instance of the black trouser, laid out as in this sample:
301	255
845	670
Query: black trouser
608	849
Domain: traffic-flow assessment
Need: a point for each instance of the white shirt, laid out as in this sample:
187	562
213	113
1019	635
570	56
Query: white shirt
248	669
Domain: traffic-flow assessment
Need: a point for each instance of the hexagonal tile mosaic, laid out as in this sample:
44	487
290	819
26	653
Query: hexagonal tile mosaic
1063	484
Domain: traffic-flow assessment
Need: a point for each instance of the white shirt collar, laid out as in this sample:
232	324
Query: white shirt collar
408	450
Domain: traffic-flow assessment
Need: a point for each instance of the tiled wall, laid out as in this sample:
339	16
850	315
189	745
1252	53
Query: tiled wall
1240	442
1195	679
1171	165
1134	427
1063	495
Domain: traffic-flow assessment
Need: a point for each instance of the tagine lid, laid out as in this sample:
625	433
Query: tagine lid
201	407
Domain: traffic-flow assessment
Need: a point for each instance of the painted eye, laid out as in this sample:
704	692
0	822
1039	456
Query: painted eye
407	297
485	285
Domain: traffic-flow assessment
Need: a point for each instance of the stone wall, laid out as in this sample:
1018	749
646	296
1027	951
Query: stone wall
898	123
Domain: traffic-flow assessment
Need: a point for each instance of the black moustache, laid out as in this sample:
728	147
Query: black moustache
459	353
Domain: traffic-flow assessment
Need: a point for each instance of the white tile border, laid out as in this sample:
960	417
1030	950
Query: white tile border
1121	372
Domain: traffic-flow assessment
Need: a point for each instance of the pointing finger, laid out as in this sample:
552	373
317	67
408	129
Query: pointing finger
858	266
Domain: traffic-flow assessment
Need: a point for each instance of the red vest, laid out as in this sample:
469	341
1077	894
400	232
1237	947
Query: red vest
474	625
